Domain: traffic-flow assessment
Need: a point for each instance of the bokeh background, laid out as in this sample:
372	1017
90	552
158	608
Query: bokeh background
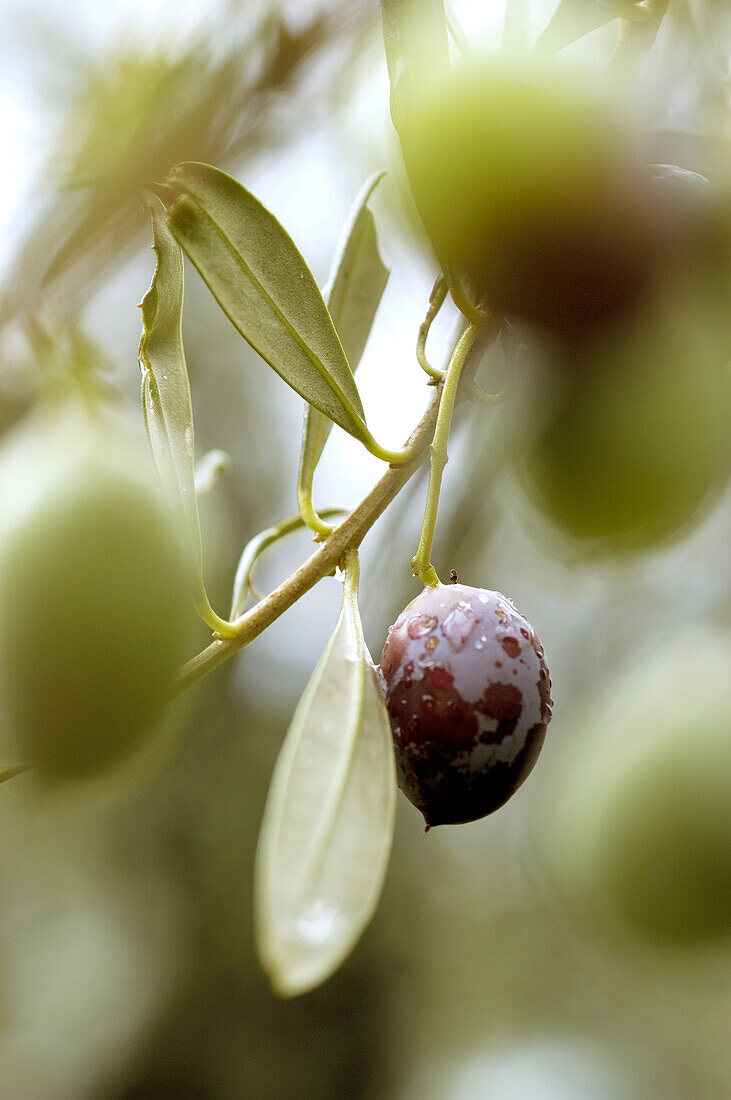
127	964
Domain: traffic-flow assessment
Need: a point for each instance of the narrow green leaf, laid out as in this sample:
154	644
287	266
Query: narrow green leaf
263	285
328	823
165	390
415	37
573	19
516	26
638	35
353	294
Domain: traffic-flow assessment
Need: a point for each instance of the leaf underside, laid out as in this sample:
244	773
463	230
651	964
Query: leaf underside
165	389
258	277
328	824
353	296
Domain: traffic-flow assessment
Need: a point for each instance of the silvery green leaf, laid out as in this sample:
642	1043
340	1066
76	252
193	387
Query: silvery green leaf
263	285
353	294
165	390
415	37
328	824
573	19
639	34
516	26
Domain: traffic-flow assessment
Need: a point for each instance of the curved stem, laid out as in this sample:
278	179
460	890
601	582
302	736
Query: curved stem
393	458
348	535
421	562
255	548
436	301
311	518
474	315
208	615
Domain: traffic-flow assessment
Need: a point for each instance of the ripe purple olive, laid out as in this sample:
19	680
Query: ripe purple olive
469	698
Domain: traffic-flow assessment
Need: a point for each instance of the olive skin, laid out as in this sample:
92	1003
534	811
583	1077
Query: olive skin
632	442
529	189
95	610
638	836
469	698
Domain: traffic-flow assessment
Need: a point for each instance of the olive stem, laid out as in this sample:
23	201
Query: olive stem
347	536
207	614
255	548
436	301
421	562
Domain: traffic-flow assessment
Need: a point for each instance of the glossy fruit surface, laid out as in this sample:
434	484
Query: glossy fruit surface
94	603
527	187
642	841
469	698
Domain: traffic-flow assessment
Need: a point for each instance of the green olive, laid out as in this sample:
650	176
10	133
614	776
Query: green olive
642	833
526	184
636	443
95	612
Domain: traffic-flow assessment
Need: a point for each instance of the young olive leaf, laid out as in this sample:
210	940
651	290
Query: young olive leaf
638	35
166	404
516	25
415	37
353	294
263	285
165	390
572	19
328	823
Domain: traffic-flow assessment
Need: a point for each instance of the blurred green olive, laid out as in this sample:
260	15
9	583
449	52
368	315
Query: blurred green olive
525	180
95	611
642	835
635	442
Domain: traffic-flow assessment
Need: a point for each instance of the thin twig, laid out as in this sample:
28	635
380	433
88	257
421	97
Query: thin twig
348	535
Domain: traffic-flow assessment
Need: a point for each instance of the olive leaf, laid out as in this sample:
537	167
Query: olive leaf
516	25
573	19
258	277
353	294
415	37
328	823
166	401
165	390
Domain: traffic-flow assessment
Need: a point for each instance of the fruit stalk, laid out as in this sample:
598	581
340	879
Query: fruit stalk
348	535
421	562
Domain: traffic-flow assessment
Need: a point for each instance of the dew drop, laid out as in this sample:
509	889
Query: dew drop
421	625
458	626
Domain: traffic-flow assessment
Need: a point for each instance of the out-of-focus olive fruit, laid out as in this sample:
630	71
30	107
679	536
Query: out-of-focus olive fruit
94	597
642	834
634	441
527	185
469	698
